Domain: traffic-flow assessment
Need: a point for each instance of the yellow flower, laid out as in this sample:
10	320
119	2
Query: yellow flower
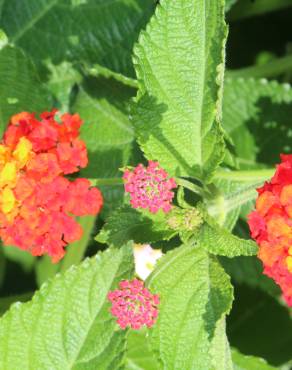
8	174
22	152
8	200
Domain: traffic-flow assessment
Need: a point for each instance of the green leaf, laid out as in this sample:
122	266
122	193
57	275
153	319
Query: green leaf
254	110
220	349
195	294
138	355
260	326
20	89
179	64
127	223
103	105
67	325
218	240
95	31
243	362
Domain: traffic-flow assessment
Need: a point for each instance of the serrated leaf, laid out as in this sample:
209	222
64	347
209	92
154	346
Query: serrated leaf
95	31
20	88
218	240
67	325
103	105
254	110
243	362
127	223
179	64
195	294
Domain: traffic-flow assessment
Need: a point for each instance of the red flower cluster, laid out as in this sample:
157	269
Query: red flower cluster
150	187
36	201
271	226
134	305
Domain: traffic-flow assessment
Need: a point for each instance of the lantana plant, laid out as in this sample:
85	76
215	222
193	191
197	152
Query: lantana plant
145	223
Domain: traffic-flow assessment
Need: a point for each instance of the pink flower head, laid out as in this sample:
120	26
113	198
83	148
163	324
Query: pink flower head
150	187
134	305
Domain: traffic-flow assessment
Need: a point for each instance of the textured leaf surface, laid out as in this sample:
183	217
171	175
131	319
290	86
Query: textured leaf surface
218	240
20	89
128	224
67	325
220	349
179	64
96	31
242	362
103	105
256	114
195	294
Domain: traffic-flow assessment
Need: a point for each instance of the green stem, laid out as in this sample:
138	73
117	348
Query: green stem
75	251
271	69
244	9
106	181
246	176
189	185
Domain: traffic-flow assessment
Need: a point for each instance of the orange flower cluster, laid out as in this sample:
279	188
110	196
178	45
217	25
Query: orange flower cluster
271	226
36	201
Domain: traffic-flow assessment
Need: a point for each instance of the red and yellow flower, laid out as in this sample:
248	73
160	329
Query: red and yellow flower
37	203
271	226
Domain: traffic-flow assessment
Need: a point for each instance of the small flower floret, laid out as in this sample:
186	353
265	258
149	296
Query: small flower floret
134	305
149	187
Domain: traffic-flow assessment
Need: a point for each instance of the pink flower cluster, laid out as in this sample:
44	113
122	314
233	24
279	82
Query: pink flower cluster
134	305
149	187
